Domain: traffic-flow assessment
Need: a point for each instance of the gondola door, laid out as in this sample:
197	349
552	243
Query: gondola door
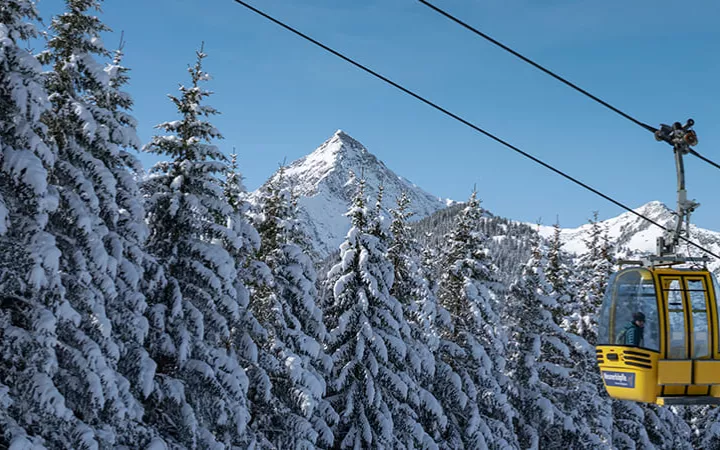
688	338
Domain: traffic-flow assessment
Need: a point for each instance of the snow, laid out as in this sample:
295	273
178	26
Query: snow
323	181
627	227
4	217
157	444
206	300
634	236
47	395
26	167
147	379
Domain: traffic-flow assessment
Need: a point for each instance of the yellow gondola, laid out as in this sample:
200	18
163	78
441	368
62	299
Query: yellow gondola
678	359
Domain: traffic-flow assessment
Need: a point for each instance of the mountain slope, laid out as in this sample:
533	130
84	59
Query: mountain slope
323	181
634	236
509	242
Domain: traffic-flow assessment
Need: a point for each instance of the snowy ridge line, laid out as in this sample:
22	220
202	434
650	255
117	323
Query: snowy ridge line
633	237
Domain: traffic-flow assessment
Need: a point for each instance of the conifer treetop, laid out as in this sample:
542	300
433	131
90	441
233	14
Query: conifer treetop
358	213
233	186
192	134
76	39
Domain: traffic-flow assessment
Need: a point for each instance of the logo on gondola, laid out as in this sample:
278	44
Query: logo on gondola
619	379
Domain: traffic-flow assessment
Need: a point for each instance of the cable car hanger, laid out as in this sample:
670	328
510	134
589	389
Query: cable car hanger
682	138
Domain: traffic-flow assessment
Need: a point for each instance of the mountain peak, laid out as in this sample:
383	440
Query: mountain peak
342	143
339	145
340	134
654	207
655	210
321	180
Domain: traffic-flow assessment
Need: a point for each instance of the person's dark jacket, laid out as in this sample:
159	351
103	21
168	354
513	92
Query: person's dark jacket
632	335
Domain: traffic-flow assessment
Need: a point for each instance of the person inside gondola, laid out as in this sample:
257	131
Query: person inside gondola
632	334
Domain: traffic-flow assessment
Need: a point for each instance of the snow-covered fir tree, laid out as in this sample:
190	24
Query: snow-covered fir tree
593	272
30	404
648	426
419	361
592	410
667	428
470	381
557	271
403	250
233	187
127	232
368	385
704	423
420	309
251	340
93	230
641	426
199	400
546	385
585	289
294	321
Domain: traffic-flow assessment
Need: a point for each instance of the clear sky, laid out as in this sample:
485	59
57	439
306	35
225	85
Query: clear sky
281	97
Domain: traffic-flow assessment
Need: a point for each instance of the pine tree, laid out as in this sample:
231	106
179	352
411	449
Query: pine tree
666	428
557	271
704	422
420	309
606	266
546	383
420	404
200	396
295	324
233	187
593	272
592	408
582	297
31	407
93	230
251	340
640	426
470	367
127	234
365	341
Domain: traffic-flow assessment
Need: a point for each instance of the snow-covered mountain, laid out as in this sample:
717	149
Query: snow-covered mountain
322	179
633	235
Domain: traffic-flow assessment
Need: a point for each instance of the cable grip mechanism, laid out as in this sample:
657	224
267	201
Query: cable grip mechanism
681	138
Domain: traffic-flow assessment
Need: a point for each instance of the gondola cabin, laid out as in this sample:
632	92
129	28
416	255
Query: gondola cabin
677	361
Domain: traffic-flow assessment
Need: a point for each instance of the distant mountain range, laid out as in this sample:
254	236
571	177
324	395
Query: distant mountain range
634	236
323	179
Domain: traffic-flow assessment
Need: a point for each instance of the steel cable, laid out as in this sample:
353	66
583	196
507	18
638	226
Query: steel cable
461	120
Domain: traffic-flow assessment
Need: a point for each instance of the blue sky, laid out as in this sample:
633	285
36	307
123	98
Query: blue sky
281	97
